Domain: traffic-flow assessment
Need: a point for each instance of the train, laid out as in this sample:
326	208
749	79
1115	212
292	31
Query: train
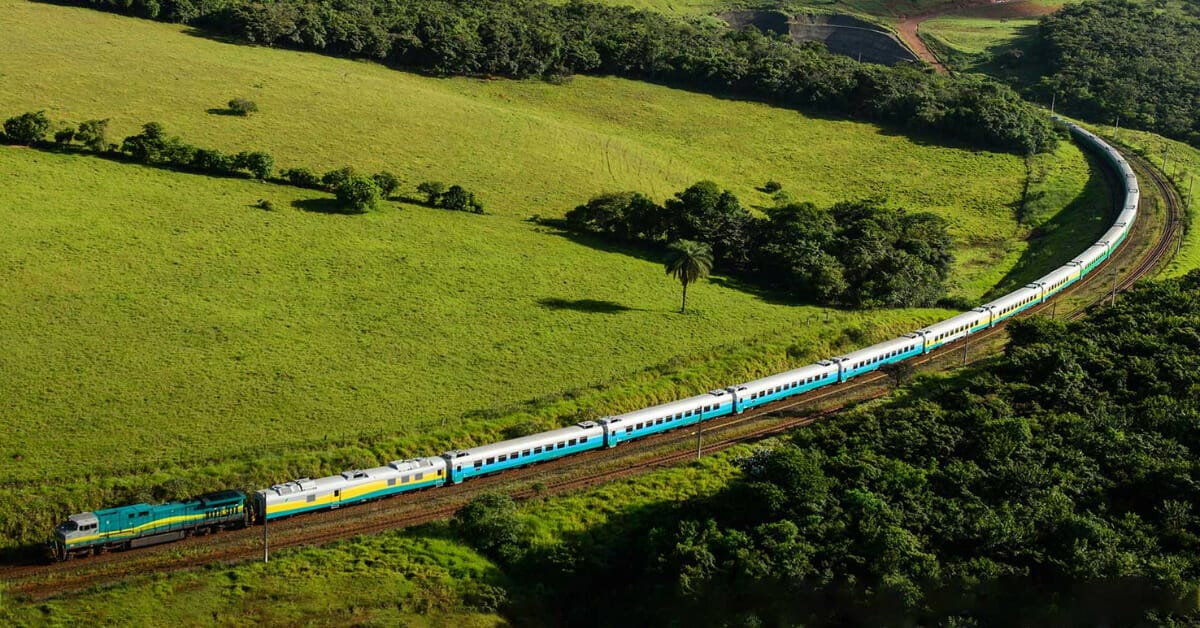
144	524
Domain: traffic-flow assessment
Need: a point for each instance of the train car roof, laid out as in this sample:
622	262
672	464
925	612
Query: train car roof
1016	296
883	347
674	407
788	377
965	318
587	428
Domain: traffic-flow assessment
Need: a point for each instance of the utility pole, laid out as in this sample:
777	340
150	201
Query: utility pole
699	427
264	516
1054	308
966	345
1117	127
1052	97
1114	289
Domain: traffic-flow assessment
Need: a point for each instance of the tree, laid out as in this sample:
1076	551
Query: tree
333	179
358	193
256	163
147	146
301	177
63	137
94	135
455	198
490	523
242	106
433	191
28	128
688	261
388	183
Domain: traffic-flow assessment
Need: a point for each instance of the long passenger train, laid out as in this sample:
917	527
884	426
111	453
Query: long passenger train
143	524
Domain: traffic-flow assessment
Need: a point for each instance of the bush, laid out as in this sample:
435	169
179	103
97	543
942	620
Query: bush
771	187
265	205
433	191
242	106
302	177
27	129
257	163
388	183
94	135
358	194
334	178
458	199
63	137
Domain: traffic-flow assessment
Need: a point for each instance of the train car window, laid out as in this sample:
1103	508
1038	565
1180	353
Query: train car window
537	450
583	440
562	444
525	453
629	430
311	498
478	464
572	442
420	476
405	478
491	460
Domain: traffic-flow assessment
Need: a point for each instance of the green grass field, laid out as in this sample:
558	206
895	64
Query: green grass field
174	338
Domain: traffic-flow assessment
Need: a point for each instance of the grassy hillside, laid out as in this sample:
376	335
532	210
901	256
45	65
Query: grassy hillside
163	327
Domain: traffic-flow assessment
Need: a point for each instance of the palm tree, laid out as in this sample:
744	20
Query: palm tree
688	261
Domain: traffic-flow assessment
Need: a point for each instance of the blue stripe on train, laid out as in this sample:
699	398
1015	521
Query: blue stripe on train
620	435
746	404
391	490
848	373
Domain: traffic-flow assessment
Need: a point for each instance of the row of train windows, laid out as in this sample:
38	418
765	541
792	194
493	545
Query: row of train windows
951	332
889	354
1017	305
783	387
531	452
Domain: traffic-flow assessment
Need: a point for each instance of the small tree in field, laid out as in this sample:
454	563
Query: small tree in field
358	194
689	262
94	135
28	128
433	191
63	137
388	183
242	106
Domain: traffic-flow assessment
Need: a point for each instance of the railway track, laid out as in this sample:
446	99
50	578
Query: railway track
37	581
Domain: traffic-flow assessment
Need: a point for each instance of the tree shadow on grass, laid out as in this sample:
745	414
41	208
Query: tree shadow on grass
594	306
216	111
323	206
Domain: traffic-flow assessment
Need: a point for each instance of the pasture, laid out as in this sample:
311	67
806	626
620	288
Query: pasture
163	337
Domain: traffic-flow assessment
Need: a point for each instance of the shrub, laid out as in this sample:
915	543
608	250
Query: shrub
242	106
265	204
433	191
301	177
388	183
94	135
28	128
771	187
334	178
64	136
358	194
256	163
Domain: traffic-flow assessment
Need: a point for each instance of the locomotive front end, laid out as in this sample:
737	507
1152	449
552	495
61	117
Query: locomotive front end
78	531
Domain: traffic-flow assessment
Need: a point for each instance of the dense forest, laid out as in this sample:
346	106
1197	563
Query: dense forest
1058	484
858	254
1136	62
532	38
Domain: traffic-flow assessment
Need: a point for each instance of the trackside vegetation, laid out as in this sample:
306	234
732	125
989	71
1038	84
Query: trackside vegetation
530	38
1058	483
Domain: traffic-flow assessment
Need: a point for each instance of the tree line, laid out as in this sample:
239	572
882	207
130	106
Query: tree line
856	253
1138	63
1056	485
533	38
153	146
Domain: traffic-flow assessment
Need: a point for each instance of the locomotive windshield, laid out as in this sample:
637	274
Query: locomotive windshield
69	526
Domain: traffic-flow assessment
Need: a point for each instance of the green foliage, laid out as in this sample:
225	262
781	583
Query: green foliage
93	134
302	177
257	163
357	193
688	261
531	38
457	199
1058	484
433	191
242	106
857	253
63	137
334	178
490	524
1127	60
388	183
28	128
